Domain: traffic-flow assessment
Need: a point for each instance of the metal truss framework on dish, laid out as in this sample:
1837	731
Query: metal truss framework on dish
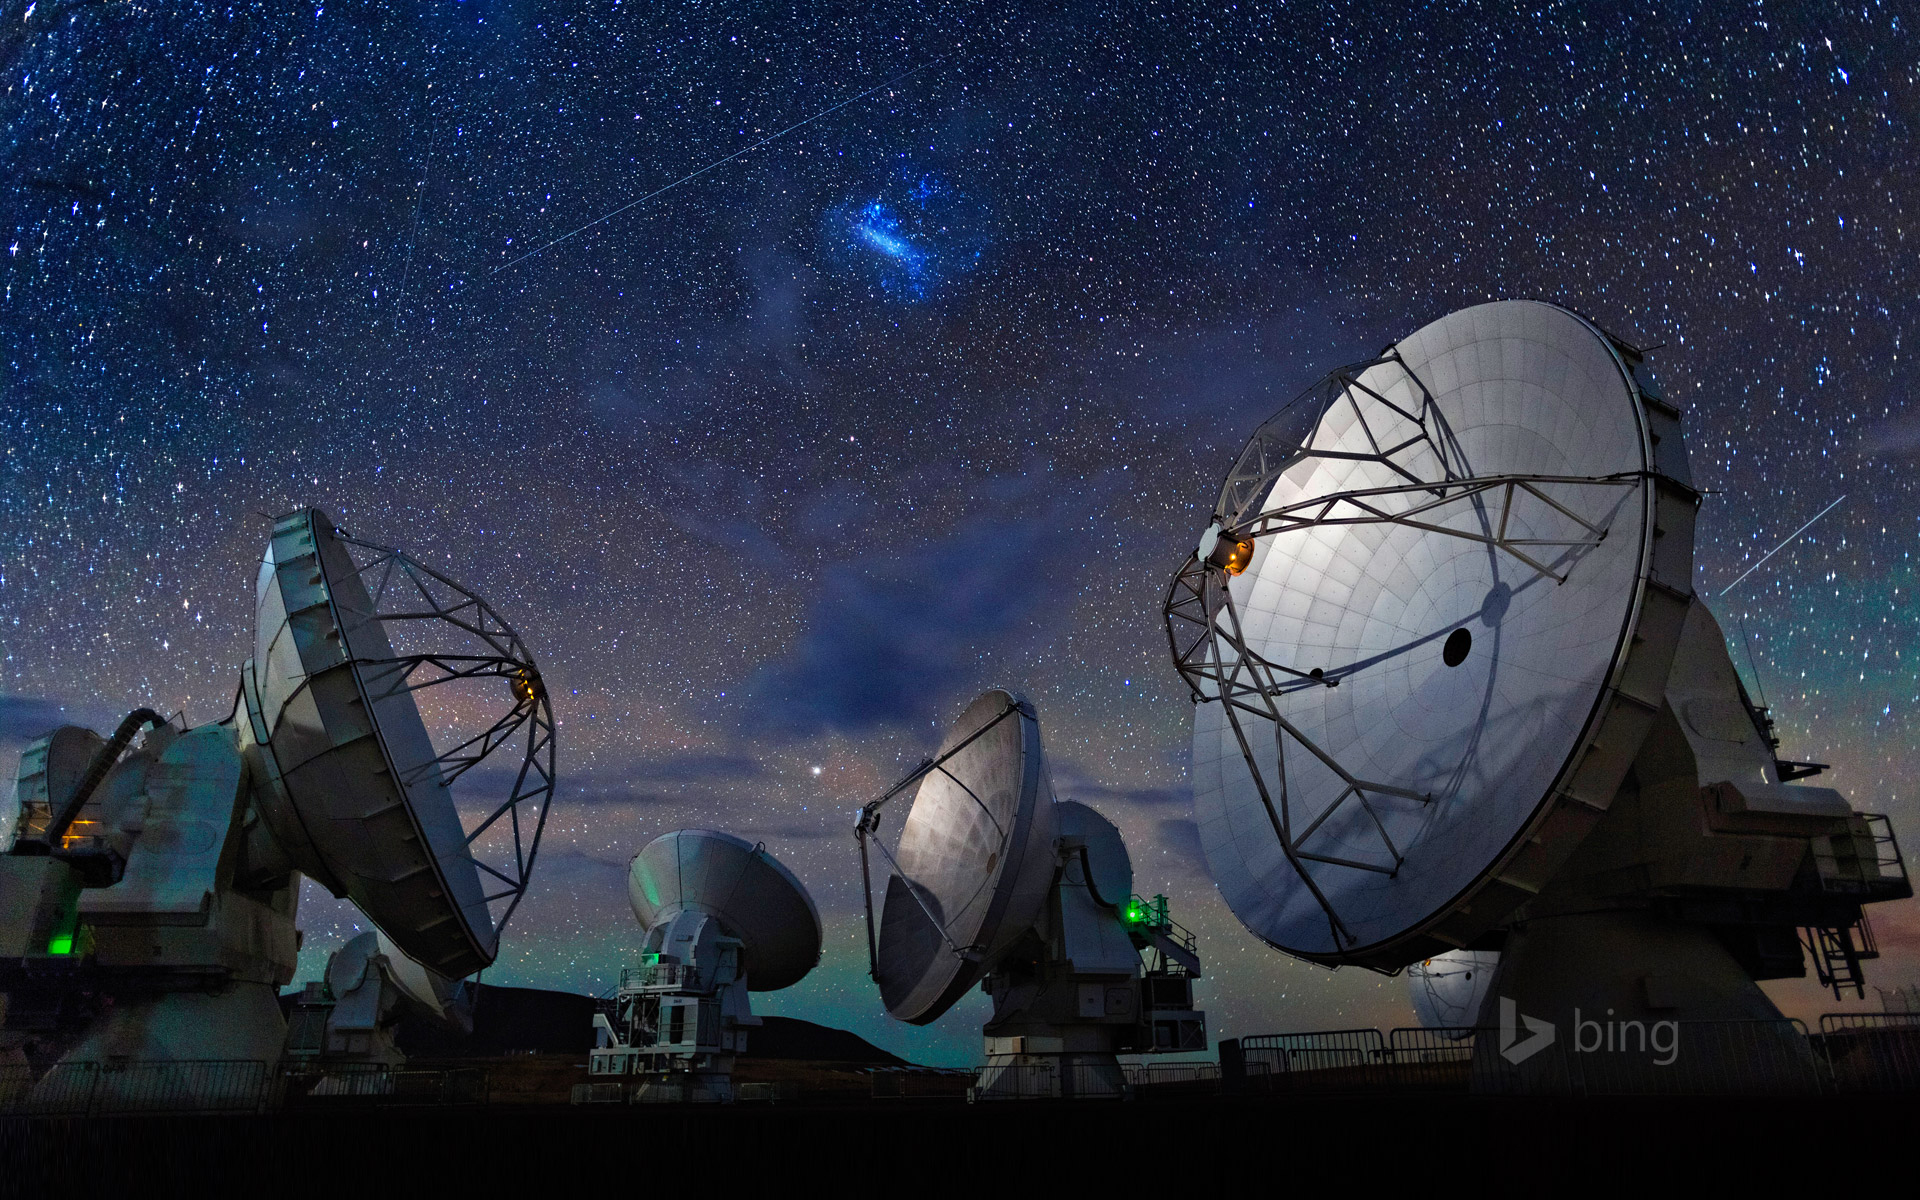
166	875
1416	477
406	590
1457	703
995	882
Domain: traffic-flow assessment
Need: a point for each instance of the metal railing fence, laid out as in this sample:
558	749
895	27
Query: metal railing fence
1327	1060
920	1083
1697	1058
1186	1075
1872	1052
654	975
1051	1081
309	1085
1022	1082
122	1088
1853	1052
1466	1059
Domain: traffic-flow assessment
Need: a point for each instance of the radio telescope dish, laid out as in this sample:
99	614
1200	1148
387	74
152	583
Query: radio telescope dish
1447	989
1427	632
751	893
50	770
723	918
994	880
355	790
974	861
343	760
1103	852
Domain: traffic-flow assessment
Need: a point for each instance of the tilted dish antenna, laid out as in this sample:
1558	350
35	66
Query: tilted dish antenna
328	766
351	1016
1448	989
974	861
1428	630
354	789
723	917
750	892
1454	692
993	879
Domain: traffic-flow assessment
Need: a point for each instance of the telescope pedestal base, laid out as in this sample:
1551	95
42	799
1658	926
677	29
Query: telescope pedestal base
713	1085
241	1022
1628	1002
1064	1076
1033	1059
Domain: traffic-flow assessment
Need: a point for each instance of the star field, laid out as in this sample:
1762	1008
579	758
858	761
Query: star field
775	470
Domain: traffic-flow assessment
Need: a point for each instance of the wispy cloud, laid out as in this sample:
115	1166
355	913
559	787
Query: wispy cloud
26	717
892	643
1182	837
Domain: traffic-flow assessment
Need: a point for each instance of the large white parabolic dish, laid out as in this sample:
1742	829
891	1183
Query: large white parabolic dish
749	891
357	795
1451	547
974	860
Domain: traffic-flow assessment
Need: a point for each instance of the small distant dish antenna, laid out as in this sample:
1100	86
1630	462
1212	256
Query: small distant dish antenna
378	685
991	879
974	862
1448	990
723	918
351	1014
1453	688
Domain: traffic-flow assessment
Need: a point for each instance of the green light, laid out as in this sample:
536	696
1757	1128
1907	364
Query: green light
1135	914
66	932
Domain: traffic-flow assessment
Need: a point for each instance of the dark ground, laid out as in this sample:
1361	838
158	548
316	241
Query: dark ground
1197	1145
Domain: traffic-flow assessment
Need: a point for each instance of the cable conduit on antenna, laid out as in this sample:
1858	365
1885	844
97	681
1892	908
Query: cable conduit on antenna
97	770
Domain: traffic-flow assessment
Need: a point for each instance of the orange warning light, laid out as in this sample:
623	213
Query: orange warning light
1232	554
526	685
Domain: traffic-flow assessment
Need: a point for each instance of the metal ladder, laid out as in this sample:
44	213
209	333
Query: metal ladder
1837	956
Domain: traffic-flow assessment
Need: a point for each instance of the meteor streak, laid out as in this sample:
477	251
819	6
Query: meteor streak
691	175
1783	545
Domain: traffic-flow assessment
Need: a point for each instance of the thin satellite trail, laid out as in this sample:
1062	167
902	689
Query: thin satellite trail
717	163
413	237
1783	545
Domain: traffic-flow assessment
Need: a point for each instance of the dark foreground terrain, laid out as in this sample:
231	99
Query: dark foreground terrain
821	1111
1199	1144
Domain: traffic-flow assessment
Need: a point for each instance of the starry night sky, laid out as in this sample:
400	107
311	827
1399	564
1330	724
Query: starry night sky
775	470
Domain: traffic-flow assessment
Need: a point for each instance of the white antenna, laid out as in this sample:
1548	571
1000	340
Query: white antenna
993	880
1453	689
723	917
1434	590
357	791
1449	989
326	768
